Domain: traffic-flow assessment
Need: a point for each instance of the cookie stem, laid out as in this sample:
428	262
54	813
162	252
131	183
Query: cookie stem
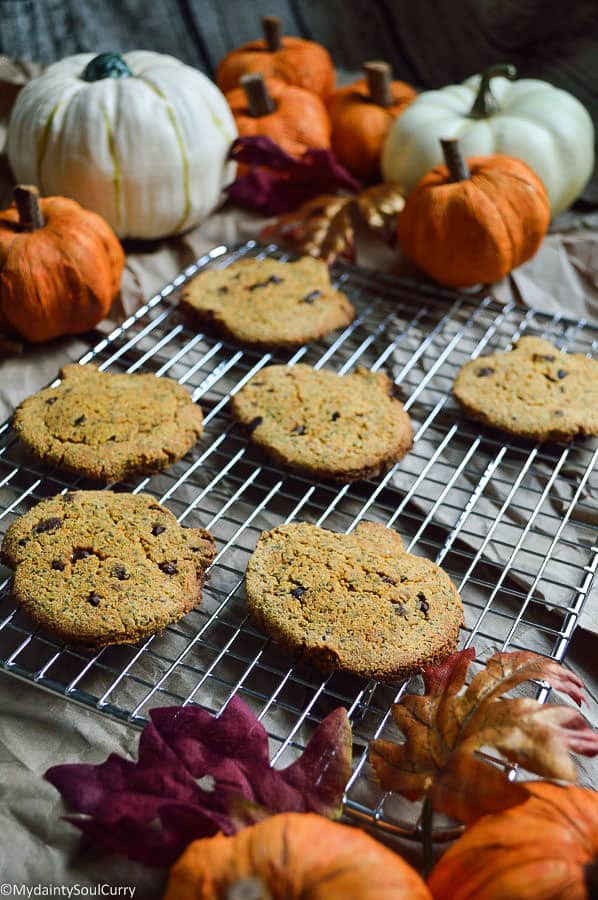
259	101
455	163
27	203
378	78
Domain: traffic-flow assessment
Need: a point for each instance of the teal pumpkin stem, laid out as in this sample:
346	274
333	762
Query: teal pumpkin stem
106	65
485	104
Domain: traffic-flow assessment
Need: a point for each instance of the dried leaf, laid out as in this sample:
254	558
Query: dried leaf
445	730
322	227
325	226
197	774
278	182
380	205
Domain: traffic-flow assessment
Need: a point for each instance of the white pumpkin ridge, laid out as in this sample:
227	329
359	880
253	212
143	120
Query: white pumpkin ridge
148	152
546	127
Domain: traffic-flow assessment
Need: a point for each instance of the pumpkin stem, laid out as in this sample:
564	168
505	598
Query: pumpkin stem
485	104
272	32
427	826
106	65
259	101
591	879
251	888
455	163
27	202
378	77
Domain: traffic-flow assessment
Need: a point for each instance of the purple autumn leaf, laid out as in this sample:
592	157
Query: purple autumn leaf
278	182
197	774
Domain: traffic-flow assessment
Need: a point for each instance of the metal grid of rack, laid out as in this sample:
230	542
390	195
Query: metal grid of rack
506	520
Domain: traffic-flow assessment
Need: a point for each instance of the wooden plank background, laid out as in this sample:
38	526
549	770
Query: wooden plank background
428	42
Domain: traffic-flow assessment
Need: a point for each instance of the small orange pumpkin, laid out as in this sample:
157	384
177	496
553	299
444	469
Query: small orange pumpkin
361	114
290	116
60	266
466	223
544	849
294	60
292	856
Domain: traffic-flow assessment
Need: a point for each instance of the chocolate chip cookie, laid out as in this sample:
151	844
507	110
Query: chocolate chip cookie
534	391
356	602
99	568
268	303
330	426
107	426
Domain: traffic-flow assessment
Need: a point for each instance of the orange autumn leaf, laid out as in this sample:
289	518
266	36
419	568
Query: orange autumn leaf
446	728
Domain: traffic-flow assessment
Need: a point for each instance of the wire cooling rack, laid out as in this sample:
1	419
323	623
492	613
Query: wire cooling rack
510	522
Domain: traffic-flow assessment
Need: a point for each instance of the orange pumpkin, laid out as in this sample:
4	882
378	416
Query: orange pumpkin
466	223
361	114
292	856
292	117
294	60
544	849
60	267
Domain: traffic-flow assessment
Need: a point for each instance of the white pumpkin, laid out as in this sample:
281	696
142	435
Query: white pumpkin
141	139
547	128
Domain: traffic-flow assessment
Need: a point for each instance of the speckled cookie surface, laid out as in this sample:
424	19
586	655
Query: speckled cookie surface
356	602
107	426
268	303
99	568
534	391
330	426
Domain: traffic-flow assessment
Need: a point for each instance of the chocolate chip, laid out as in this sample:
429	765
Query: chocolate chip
254	423
558	412
168	568
120	572
561	373
223	289
69	497
335	416
93	599
309	298
23	541
298	592
299	429
158	529
387	579
58	564
541	357
399	609
79	421
80	553
482	373
47	525
51	400
273	279
423	603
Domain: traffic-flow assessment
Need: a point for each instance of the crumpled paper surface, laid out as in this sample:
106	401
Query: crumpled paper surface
39	729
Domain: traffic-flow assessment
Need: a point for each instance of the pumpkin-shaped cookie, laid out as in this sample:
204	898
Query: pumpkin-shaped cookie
141	139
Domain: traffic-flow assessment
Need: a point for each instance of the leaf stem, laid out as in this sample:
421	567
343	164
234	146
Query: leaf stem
427	822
